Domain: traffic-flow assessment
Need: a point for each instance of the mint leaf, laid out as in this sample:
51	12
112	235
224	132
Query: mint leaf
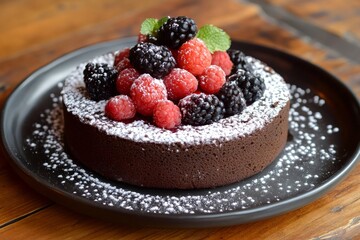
214	38
160	22
148	26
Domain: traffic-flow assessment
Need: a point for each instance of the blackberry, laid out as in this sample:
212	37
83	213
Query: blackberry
239	60
231	95
152	39
201	109
149	58
252	86
100	81
175	31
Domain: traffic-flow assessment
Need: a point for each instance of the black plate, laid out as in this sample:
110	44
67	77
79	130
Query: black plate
323	147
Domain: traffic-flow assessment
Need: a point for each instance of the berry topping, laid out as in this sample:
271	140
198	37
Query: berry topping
201	109
148	58
119	56
146	76
222	59
146	92
251	86
142	38
194	56
231	95
119	108
100	81
125	80
167	115
176	31
123	64
212	79
147	38
239	60
180	83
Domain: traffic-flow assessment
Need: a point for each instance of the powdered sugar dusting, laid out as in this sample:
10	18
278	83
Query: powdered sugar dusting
308	159
252	118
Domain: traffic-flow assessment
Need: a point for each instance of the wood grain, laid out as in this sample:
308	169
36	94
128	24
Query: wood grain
16	199
47	30
338	17
333	211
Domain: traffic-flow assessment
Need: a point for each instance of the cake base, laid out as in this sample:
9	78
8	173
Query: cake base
175	166
139	153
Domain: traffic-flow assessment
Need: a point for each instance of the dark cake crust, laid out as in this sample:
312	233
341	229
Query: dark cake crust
173	166
207	156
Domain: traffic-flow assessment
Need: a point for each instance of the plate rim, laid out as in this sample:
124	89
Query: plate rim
211	219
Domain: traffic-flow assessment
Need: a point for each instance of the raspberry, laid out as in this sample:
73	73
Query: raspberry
251	86
222	60
212	79
125	80
166	115
123	64
147	38
175	31
141	38
121	55
146	92
119	108
180	83
194	56
100	80
148	58
201	109
231	95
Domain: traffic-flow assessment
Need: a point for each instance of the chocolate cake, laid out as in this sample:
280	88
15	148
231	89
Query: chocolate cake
186	157
179	109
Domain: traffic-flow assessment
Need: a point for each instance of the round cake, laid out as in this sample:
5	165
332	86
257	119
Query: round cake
139	153
178	110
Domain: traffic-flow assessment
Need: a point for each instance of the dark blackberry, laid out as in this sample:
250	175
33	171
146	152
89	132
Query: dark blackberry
175	31
149	38
252	86
201	109
231	95
239	60
152	39
100	81
148	58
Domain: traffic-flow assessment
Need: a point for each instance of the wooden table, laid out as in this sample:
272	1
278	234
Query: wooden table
33	33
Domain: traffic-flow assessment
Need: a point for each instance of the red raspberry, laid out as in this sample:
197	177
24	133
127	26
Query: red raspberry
125	80
119	108
194	56
222	60
121	55
174	52
180	83
123	64
142	38
146	92
212	79
167	115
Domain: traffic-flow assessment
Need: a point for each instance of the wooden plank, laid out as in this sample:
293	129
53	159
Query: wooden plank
339	210
338	17
46	21
16	199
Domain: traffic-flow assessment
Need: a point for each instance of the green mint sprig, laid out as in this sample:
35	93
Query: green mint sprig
214	38
152	25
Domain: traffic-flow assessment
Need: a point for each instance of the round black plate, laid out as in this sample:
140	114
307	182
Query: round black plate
323	146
